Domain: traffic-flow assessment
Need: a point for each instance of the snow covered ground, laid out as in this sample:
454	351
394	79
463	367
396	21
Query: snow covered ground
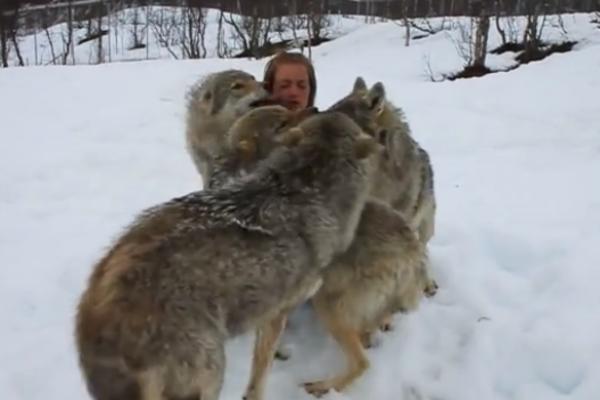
153	26
517	167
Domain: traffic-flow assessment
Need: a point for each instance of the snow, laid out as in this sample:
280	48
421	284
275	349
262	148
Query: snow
117	44
516	158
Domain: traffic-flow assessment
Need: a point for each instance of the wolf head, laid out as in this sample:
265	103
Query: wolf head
331	134
338	158
253	136
226	94
320	168
365	106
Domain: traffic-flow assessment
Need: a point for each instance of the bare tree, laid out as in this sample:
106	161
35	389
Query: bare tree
250	31
505	24
309	30
560	24
279	26
481	34
164	24
46	26
99	33
138	28
472	43
532	36
464	41
222	48
405	22
238	32
192	32
9	27
425	25
67	38
4	45
137	19
295	22
318	20
14	33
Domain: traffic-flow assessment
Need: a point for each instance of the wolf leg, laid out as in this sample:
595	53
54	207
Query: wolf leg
349	340
267	338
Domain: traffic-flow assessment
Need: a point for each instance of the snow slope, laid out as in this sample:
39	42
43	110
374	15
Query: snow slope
517	164
162	21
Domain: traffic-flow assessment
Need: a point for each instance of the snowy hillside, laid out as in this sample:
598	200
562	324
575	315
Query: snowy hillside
157	30
517	169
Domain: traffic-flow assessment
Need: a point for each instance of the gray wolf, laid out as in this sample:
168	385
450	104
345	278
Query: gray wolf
384	271
213	103
190	273
252	137
405	177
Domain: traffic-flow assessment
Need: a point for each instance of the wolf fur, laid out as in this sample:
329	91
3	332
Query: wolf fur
213	104
252	137
383	272
192	272
405	176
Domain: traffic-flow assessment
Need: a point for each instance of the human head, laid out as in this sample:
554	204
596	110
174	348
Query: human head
290	78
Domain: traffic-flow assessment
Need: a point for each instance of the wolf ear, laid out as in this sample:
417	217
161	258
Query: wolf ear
359	85
376	98
365	146
291	137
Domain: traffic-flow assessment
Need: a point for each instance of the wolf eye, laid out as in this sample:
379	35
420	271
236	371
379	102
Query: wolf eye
237	85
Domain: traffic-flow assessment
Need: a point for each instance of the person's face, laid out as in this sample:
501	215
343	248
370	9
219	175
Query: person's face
291	86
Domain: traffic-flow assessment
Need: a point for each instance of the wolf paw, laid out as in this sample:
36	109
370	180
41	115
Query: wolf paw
317	389
386	325
283	353
369	340
431	288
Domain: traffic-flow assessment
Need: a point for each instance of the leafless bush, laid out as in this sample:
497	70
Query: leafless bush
429	70
425	25
481	37
4	44
536	21
249	32
192	32
294	23
137	28
559	23
463	44
473	40
9	33
164	24
67	38
506	25
223	50
319	21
